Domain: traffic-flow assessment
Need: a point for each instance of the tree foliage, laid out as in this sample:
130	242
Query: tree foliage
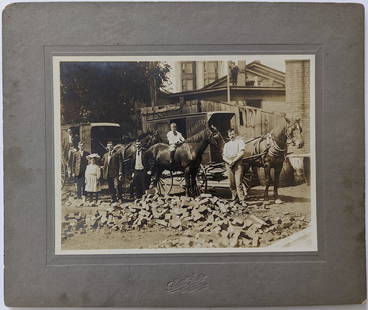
108	91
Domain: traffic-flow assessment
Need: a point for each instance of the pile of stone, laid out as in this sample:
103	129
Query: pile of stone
204	221
73	223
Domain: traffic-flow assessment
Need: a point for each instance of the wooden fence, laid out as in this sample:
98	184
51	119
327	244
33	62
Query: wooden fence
248	121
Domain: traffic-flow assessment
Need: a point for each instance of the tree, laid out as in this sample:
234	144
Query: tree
108	91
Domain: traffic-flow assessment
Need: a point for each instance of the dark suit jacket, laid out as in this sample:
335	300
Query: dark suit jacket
80	163
112	168
66	145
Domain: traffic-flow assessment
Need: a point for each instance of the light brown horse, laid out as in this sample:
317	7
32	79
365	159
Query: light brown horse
188	157
273	147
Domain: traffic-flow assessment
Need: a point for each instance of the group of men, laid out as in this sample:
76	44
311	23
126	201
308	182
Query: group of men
112	165
110	170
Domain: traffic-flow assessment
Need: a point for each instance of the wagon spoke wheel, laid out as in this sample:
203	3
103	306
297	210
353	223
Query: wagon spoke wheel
179	180
201	181
165	183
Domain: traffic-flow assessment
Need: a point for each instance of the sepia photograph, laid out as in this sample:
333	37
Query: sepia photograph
184	154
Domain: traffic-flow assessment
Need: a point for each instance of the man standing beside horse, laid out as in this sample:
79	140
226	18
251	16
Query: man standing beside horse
232	155
139	167
112	172
79	166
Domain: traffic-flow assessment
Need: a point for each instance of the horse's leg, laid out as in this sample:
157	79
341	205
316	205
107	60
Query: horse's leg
156	177
276	183
187	177
267	170
193	176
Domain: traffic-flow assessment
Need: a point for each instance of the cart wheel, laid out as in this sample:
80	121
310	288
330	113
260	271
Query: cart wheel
201	181
178	179
165	183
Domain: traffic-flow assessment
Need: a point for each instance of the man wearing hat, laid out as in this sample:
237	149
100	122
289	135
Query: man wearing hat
80	163
69	146
139	170
111	171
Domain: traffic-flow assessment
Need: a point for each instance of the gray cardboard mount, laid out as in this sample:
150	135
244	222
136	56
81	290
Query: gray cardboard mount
34	32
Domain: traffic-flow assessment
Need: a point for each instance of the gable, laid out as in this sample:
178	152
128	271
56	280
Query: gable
263	80
257	75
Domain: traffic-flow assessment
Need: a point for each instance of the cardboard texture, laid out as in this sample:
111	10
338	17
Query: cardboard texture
35	277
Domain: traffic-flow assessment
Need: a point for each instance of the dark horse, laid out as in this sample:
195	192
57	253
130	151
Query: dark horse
128	149
273	146
188	157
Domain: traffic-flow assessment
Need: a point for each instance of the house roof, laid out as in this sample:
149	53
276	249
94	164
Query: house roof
198	92
255	68
266	71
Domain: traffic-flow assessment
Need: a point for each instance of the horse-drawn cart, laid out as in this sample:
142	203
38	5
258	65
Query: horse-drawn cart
210	176
268	151
200	130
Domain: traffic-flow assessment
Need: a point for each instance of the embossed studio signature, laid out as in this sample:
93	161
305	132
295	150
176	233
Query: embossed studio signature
194	283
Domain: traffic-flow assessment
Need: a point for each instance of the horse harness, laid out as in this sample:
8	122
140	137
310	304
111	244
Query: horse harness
272	148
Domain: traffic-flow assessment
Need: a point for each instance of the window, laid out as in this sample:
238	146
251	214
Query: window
188	75
210	72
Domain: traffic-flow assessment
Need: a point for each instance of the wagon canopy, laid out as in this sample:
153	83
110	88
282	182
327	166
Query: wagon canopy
221	120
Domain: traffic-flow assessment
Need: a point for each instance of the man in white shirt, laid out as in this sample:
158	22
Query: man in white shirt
232	155
139	174
175	139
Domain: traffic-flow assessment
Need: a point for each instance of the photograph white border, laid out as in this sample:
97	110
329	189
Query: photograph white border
56	60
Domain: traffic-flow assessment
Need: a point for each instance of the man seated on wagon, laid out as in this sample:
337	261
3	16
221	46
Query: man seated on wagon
232	155
175	139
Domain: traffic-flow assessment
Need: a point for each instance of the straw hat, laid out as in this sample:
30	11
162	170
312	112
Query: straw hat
94	155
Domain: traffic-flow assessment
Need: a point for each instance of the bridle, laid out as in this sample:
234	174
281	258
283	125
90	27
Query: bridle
289	131
213	137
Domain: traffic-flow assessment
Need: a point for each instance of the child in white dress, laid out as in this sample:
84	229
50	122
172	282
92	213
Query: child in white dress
92	175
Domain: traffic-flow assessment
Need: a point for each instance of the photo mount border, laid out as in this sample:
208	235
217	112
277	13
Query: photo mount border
178	50
277	283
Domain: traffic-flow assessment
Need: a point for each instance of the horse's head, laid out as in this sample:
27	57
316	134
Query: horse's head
150	138
155	137
293	131
215	137
117	149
